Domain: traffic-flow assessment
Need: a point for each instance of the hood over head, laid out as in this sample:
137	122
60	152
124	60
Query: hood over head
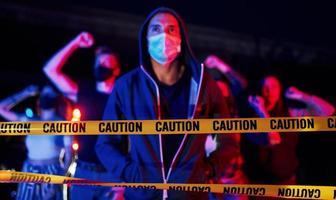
186	55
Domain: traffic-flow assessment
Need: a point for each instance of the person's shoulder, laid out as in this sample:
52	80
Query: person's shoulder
131	74
129	77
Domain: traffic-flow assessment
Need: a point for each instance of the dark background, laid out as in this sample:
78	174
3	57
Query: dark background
295	39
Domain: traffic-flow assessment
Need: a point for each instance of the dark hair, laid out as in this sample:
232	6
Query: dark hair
63	106
280	108
103	50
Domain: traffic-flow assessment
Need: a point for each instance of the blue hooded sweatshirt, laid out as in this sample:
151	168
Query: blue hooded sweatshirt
136	96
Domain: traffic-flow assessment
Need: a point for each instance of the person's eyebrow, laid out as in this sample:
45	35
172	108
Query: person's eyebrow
154	25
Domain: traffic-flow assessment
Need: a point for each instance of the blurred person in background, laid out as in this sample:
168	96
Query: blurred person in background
232	85
90	96
236	82
46	154
271	158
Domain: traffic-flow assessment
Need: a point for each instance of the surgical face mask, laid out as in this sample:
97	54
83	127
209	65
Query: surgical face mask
102	73
164	48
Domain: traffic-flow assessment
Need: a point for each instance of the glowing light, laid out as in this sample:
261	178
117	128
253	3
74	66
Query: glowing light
75	146
74	119
29	112
76	114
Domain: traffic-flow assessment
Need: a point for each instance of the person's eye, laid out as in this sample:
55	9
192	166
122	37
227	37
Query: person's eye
155	29
172	29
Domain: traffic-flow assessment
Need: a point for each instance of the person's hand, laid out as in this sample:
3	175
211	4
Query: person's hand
257	102
274	138
115	193
213	61
84	40
210	145
294	93
31	90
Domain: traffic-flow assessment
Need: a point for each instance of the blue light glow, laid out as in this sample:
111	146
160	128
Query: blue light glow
29	112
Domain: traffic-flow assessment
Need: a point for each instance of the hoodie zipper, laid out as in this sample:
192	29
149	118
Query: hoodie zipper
165	192
165	179
192	117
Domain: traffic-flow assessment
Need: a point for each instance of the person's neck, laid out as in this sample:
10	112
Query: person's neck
105	86
168	74
270	106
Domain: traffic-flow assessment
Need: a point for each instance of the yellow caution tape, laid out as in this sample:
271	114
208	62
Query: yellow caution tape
282	191
196	126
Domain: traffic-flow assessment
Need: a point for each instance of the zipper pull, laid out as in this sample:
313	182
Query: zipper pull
165	191
165	194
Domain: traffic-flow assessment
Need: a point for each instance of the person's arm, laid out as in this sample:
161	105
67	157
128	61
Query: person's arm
316	106
8	103
272	138
53	68
237	81
110	149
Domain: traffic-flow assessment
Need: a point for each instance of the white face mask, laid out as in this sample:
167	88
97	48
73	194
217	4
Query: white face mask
164	48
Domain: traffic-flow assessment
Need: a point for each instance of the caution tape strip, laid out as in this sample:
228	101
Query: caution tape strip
196	126
282	191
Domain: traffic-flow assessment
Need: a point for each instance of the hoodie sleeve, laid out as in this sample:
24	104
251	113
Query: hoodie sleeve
111	149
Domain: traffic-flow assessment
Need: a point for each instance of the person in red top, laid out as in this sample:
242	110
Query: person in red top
271	158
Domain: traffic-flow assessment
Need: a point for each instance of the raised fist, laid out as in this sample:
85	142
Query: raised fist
213	61
84	40
257	102
294	93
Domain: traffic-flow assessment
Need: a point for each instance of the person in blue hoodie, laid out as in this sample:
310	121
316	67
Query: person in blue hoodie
168	84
